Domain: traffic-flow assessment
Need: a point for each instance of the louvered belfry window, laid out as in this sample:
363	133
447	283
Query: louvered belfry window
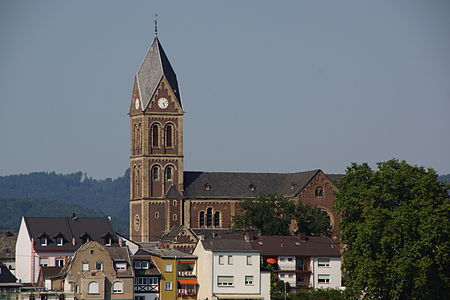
169	139
155	135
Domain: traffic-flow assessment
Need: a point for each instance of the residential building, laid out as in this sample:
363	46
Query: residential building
94	272
303	262
178	272
9	285
8	241
147	276
230	269
47	241
163	195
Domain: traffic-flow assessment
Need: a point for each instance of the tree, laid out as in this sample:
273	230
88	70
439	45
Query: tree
395	228
272	214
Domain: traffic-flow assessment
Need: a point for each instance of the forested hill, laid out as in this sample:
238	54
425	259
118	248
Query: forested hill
107	197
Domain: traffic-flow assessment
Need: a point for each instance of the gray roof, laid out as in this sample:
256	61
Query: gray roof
171	234
154	66
121	254
164	252
293	245
229	245
69	229
244	185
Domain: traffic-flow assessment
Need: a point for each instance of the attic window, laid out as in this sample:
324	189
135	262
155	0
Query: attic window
319	192
207	187
108	241
59	241
252	187
43	241
293	184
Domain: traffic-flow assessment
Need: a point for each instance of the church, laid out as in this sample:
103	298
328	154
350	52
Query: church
163	195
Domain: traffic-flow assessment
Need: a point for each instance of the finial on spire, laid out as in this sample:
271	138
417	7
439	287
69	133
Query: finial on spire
155	17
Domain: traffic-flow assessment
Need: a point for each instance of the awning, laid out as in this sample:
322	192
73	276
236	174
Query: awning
186	261
188	281
239	296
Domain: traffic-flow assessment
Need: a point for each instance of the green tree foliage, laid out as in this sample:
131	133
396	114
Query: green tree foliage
272	214
396	230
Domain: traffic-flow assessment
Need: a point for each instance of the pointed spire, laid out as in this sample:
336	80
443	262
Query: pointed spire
154	66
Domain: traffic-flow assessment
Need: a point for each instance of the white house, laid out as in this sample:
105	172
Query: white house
303	262
230	268
52	241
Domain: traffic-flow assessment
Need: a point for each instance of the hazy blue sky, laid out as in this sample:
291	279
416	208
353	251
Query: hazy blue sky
277	86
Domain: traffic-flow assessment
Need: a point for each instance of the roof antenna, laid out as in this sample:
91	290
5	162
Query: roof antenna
155	18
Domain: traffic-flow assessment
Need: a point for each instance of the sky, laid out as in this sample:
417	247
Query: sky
267	86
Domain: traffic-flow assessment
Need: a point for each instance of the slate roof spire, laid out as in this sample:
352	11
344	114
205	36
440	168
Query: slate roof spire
154	66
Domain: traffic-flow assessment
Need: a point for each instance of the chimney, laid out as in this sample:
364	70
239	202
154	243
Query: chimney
74	241
120	242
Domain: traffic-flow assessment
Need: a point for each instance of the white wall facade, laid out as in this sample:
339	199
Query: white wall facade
204	271
332	271
23	254
239	269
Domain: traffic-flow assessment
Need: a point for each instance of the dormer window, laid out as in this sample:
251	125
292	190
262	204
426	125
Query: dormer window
85	238
251	187
108	241
44	241
207	187
59	241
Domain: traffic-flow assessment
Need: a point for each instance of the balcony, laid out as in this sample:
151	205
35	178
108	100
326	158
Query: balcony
185	273
186	292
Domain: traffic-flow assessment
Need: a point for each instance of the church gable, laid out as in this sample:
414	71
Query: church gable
164	100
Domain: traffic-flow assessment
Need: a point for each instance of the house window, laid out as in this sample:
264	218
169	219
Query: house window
230	259
282	259
61	297
220	259
289	259
59	241
249	260
169	136
108	241
209	217
319	192
169	268
155	173
155	135
121	266
324	262
139	297
168	285
202	218
169	173
99	265
85	266
248	280
291	275
93	287
43	262
217	218
137	265
144	264
117	287
43	241
59	262
324	278
224	280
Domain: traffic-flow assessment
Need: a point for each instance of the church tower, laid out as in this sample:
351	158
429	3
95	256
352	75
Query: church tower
156	160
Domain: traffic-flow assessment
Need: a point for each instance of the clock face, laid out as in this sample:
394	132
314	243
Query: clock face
163	103
136	103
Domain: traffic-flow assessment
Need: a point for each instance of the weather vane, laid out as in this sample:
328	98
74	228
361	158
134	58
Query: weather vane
155	17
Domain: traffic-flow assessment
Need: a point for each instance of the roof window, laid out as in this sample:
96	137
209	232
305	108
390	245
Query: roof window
252	187
207	187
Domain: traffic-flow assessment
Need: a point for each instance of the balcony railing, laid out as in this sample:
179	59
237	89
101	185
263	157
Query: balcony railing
186	292
185	273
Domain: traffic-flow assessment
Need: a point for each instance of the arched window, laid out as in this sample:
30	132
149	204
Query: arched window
154	135
138	139
117	287
93	287
133	146
138	182
209	217
134	182
319	192
217	218
169	136
174	217
155	173
202	219
169	173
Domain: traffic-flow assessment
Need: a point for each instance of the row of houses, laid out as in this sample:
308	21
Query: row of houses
83	258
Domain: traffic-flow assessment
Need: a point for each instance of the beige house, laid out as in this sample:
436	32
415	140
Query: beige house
94	272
